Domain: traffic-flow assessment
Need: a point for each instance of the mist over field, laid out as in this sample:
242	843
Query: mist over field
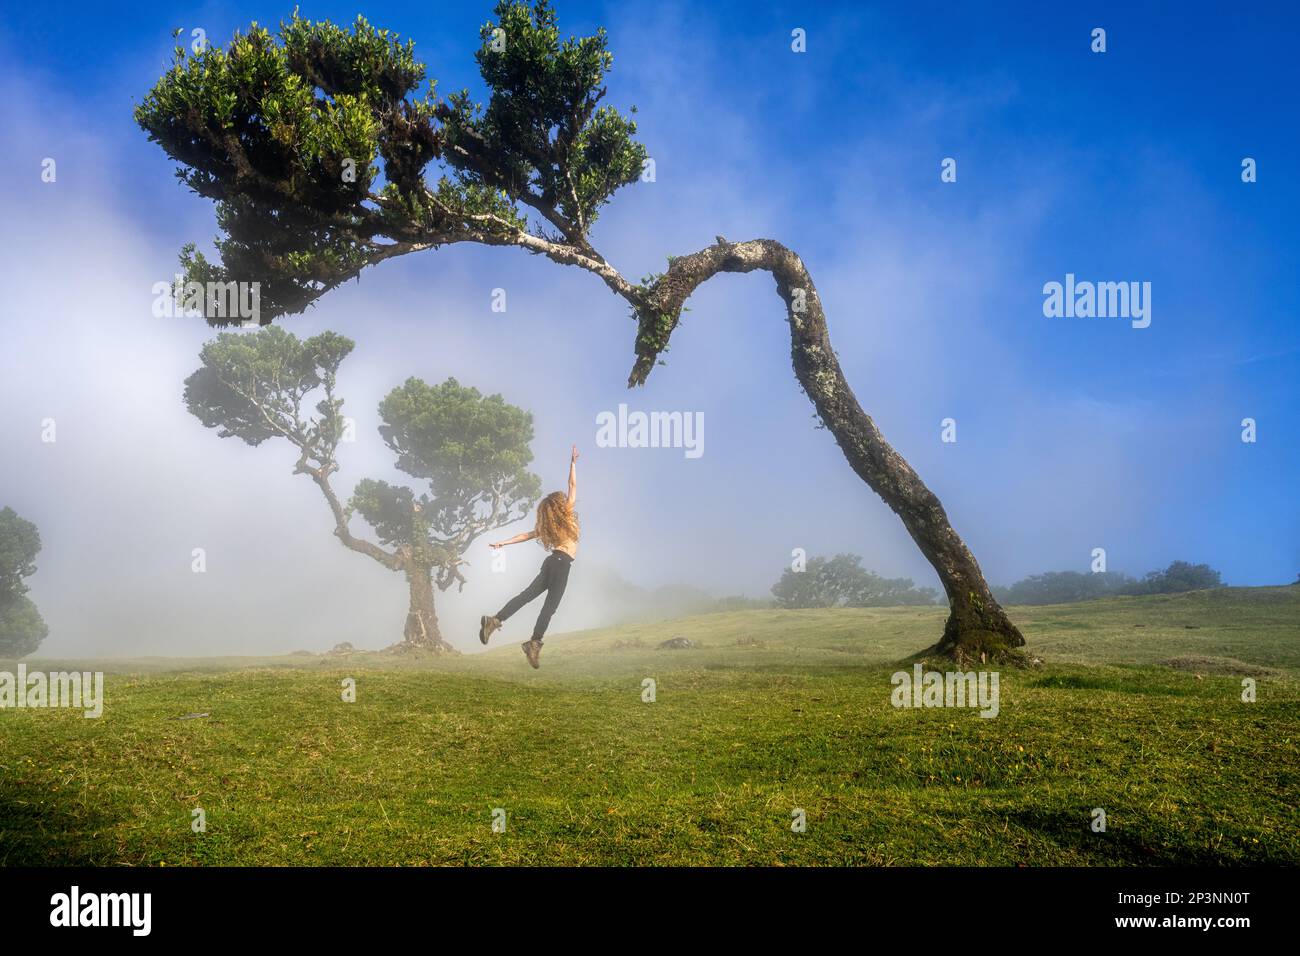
1072	434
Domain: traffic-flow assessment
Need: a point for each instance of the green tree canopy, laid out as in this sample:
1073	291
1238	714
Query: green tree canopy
471	449
288	132
255	387
21	627
20	542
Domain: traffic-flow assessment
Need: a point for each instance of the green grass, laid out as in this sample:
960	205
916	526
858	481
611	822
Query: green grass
1136	711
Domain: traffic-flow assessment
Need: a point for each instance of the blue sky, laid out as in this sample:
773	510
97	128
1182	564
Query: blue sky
1072	433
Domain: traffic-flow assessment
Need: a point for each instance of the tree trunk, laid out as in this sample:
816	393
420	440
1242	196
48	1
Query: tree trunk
978	630
421	629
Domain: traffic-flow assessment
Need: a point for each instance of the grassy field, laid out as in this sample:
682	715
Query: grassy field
1137	711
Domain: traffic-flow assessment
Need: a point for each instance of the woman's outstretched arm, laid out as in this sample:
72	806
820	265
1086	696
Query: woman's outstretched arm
523	536
573	477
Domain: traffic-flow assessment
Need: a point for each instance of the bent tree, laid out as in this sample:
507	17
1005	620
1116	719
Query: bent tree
473	452
320	146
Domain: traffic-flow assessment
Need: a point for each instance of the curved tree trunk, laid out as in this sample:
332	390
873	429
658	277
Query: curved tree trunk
977	628
421	629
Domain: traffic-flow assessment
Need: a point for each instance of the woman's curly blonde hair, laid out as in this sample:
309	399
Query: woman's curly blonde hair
556	521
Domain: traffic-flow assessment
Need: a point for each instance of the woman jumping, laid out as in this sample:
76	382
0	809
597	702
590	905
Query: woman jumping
557	531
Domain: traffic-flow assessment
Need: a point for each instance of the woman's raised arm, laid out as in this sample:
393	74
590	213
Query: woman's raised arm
573	477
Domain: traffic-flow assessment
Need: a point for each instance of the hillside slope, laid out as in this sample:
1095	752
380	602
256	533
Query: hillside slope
739	741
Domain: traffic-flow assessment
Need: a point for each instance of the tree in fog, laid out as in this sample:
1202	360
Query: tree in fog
21	626
471	451
327	152
841	581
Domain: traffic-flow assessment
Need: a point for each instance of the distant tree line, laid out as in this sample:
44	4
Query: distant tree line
841	581
1065	587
